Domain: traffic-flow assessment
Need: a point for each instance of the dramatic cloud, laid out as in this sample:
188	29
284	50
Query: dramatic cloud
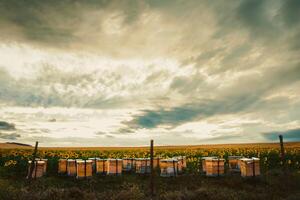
110	71
289	135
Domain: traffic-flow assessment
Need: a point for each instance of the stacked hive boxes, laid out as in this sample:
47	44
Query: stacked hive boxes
250	167
128	164
101	166
234	163
114	166
71	167
38	169
214	166
62	166
94	164
142	165
203	162
168	167
84	168
181	163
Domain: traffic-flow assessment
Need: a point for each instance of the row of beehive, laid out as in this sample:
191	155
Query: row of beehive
85	168
214	166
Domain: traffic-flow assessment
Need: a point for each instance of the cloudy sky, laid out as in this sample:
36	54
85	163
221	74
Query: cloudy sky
119	73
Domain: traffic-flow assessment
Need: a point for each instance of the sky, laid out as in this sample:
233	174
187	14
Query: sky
119	73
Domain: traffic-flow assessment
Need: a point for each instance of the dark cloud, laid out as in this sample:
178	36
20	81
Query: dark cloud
7	126
289	135
246	94
9	136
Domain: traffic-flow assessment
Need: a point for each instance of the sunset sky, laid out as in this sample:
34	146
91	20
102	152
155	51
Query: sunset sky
119	73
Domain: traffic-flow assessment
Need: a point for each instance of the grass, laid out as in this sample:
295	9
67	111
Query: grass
274	185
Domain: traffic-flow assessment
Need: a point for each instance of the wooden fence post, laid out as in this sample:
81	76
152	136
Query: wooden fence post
33	160
152	171
282	154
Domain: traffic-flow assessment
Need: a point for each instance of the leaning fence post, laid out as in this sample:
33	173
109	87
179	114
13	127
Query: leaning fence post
282	154
33	160
151	168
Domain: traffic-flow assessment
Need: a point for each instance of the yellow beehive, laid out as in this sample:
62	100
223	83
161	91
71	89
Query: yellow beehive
71	167
250	167
114	166
94	164
234	163
38	169
203	162
80	169
168	167
101	166
214	166
142	165
128	164
88	168
62	166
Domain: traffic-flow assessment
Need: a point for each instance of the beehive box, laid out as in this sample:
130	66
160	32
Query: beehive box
93	164
142	165
80	169
168	167
38	169
88	168
71	166
114	166
128	164
101	166
250	167
214	166
181	163
234	163
62	166
203	162
45	165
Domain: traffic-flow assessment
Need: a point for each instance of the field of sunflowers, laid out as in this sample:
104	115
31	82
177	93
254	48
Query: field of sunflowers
13	162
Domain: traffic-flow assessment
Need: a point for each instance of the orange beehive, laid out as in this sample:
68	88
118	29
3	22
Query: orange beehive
168	167
88	168
214	166
203	162
38	169
142	165
71	165
80	169
114	166
250	167
101	166
234	163
62	166
128	164
94	164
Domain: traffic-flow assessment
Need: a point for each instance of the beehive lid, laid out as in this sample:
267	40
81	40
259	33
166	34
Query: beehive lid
101	159
169	160
71	160
246	159
142	159
40	162
128	158
114	159
253	158
89	161
92	158
209	157
80	161
235	157
62	159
